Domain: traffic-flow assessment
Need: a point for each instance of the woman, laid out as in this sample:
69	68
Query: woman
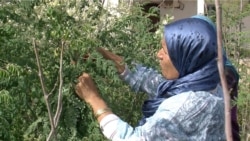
185	101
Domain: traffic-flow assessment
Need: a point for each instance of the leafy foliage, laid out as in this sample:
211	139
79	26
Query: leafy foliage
236	41
82	26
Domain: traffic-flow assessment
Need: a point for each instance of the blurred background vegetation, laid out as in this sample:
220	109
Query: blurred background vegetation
76	28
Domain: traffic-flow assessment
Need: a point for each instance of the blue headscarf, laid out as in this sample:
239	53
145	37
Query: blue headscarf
228	64
192	47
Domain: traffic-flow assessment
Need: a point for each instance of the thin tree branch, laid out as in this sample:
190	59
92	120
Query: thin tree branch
220	64
59	100
40	74
55	85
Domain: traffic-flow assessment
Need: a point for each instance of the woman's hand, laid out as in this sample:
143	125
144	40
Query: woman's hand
113	57
86	88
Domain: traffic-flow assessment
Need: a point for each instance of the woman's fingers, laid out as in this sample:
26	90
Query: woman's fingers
86	88
81	87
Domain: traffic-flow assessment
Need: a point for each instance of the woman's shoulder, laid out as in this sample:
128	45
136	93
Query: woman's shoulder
191	98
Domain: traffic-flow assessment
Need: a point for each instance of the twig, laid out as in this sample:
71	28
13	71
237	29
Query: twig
53	89
228	128
40	74
59	100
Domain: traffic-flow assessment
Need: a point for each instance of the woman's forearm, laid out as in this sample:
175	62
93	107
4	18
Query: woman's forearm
100	108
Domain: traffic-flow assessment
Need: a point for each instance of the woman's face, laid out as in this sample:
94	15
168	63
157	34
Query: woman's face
167	68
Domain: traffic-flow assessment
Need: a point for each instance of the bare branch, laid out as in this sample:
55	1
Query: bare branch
220	64
55	85
59	100
40	74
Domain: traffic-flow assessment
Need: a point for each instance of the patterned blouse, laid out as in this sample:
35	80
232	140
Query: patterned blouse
189	116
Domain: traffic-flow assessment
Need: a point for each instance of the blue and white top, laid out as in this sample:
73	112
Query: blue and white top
187	116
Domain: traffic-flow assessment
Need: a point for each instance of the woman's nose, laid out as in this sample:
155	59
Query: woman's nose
159	55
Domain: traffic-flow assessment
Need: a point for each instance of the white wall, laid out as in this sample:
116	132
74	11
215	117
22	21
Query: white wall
110	3
190	9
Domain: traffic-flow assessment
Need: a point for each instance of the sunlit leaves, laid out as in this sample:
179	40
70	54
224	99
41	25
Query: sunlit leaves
5	97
